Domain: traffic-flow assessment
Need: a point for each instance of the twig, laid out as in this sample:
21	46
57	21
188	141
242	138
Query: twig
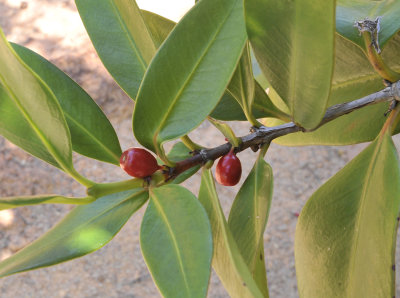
264	135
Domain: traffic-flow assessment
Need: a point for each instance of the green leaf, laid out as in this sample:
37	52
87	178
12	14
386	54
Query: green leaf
227	261
15	128
159	27
228	108
180	152
242	85
121	39
38	105
191	58
354	78
346	234
14	202
176	242
248	217
91	133
347	12
84	230
294	45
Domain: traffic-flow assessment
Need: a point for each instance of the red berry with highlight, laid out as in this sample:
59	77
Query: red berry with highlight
138	162
229	170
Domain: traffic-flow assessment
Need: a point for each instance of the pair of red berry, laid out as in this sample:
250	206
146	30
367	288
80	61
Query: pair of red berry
140	163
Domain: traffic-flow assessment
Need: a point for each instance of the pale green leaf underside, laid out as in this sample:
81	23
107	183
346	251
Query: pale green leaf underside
354	78
294	45
346	233
248	217
228	263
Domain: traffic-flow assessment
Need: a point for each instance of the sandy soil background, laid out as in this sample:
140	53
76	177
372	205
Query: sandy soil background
53	29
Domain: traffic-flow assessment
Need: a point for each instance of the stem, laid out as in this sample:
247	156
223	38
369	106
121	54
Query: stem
190	144
264	148
264	135
226	130
376	60
103	189
78	177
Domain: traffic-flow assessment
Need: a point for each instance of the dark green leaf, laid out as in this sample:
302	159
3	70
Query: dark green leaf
91	133
37	104
346	233
121	39
293	42
227	261
176	242
84	230
191	58
249	215
349	11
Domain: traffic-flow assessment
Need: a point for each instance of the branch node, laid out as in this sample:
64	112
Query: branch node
395	90
255	148
204	156
373	27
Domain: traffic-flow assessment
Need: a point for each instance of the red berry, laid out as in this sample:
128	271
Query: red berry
138	162
228	170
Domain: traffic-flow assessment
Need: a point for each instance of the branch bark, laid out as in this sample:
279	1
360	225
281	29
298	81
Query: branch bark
263	135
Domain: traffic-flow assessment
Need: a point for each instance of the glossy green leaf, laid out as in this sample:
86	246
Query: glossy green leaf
121	39
38	105
248	217
294	45
180	152
346	234
15	128
159	27
353	78
84	230
228	107
14	202
176	242
91	133
350	11
192	57
228	263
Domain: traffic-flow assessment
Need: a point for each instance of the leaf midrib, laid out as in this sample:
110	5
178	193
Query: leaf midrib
186	82
174	240
366	186
105	148
126	32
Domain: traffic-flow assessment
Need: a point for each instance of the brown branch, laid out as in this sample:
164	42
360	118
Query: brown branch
264	134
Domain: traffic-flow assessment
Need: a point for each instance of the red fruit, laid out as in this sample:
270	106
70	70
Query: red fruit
138	162
228	170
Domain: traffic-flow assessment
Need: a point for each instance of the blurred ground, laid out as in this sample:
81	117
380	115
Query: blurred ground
54	30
